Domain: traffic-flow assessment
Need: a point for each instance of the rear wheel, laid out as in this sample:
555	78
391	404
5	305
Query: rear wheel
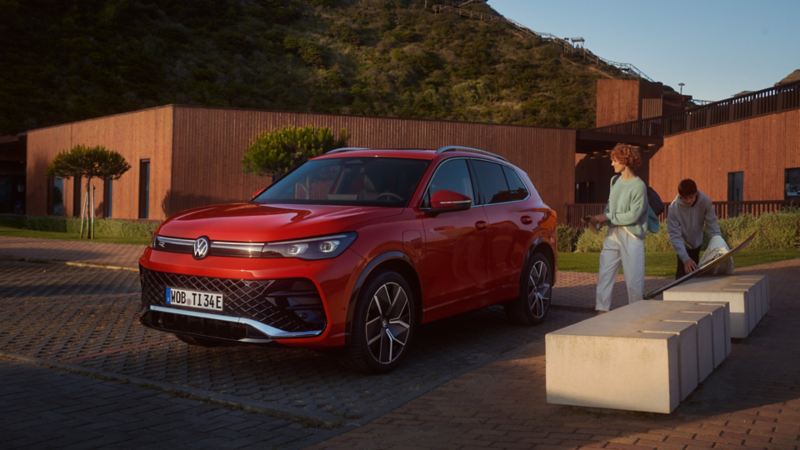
383	324
536	292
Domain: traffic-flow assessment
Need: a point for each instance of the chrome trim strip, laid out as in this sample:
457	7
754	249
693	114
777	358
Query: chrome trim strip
269	331
175	241
252	247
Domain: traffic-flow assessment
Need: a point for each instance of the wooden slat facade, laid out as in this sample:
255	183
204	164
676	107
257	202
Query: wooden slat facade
145	134
761	147
195	153
209	145
617	102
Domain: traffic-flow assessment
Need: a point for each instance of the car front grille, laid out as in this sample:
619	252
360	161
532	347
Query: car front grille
291	304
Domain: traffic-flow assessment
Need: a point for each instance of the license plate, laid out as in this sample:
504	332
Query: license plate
193	299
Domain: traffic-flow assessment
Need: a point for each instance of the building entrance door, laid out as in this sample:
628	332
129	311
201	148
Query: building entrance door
735	192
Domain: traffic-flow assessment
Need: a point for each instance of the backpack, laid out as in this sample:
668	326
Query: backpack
654	207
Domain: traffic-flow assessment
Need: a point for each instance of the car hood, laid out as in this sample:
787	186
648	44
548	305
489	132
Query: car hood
254	222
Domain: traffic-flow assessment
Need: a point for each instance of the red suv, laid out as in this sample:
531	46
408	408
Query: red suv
355	248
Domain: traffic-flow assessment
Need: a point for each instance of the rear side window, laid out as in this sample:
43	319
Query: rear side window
516	188
452	175
492	183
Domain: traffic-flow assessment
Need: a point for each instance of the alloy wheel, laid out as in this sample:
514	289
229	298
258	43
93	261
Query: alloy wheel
387	324
540	291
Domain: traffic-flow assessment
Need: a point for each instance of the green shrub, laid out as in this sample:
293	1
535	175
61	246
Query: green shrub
736	229
125	229
777	231
276	152
110	228
567	238
591	240
12	220
658	242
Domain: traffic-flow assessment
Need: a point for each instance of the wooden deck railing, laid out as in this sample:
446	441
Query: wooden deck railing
766	101
724	210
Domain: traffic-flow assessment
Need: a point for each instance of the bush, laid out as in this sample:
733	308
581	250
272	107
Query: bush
658	242
110	228
777	231
567	238
276	152
591	240
736	229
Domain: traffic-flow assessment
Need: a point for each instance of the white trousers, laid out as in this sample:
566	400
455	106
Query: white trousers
620	247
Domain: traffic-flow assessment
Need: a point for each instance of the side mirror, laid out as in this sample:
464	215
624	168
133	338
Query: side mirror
444	201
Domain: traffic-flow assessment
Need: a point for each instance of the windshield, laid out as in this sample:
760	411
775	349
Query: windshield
349	181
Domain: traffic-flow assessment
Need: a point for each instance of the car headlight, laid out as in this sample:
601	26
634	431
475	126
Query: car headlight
312	248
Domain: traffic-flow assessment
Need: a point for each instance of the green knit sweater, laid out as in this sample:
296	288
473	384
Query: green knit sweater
627	205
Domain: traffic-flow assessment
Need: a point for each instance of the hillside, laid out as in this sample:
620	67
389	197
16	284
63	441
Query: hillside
80	59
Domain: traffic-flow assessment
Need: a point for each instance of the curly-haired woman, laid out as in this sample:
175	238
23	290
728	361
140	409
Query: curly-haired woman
626	215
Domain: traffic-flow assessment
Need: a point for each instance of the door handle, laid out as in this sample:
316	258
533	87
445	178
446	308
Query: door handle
481	224
526	220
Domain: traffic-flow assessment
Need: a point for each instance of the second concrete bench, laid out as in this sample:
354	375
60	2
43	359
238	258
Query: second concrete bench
746	295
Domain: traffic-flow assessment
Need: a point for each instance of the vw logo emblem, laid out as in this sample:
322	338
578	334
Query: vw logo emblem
200	249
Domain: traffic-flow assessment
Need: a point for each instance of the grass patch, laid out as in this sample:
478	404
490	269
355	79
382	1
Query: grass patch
663	263
22	232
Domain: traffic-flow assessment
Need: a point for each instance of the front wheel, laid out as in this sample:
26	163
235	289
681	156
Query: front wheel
383	324
536	292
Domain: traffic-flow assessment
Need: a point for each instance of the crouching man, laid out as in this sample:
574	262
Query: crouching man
689	214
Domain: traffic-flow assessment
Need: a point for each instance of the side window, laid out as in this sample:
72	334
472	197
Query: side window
491	182
453	176
516	187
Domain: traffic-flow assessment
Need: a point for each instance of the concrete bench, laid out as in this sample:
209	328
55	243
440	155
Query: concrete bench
647	356
747	297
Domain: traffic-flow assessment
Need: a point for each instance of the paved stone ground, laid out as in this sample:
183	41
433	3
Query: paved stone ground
78	370
751	401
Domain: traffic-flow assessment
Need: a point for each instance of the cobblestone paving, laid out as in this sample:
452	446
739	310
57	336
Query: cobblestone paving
751	401
78	371
85	321
44	408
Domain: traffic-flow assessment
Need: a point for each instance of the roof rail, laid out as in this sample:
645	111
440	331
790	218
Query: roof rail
346	149
455	148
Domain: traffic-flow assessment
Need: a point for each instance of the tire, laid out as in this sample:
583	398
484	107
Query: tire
535	292
383	324
199	341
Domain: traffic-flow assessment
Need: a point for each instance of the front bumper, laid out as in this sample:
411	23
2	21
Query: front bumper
267	309
292	302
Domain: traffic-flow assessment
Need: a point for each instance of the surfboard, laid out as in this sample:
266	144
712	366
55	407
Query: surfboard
705	268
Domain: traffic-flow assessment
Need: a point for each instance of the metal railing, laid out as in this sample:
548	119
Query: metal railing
724	210
765	101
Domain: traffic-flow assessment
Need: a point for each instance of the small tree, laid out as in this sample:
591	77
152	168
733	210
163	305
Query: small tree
277	152
88	162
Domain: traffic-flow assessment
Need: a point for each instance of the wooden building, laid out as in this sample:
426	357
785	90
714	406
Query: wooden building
183	157
745	148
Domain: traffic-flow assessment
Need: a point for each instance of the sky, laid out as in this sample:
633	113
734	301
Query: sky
717	48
